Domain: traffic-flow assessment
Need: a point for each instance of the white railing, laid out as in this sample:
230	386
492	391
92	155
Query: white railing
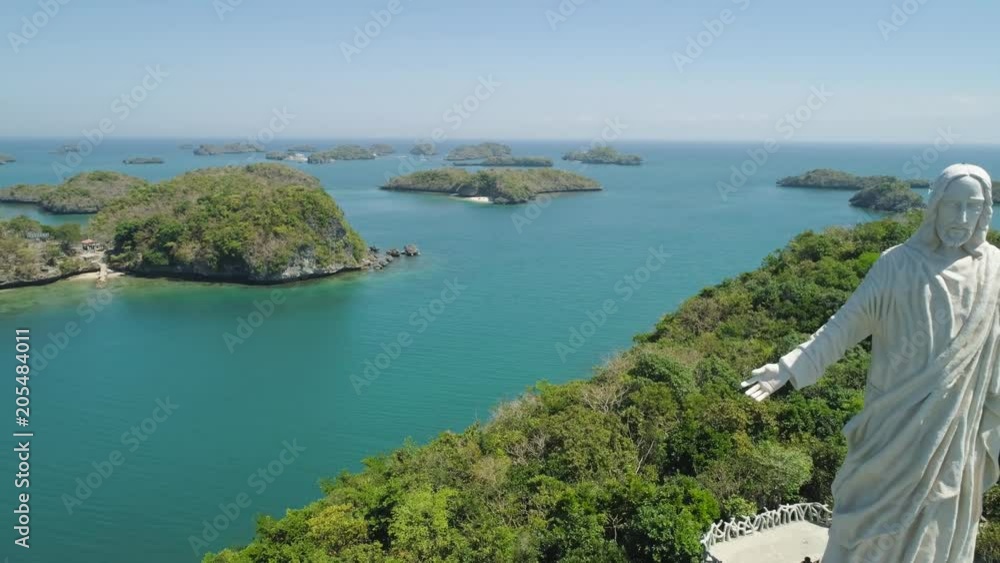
817	513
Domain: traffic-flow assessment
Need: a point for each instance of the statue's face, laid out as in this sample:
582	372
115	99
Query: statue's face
958	211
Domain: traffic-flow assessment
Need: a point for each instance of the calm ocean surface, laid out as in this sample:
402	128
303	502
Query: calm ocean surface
527	277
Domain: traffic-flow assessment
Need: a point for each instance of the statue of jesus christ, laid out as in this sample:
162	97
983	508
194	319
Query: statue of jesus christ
923	450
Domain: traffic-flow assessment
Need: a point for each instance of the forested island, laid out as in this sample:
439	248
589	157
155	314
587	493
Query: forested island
6	158
301	148
32	253
505	186
342	152
477	152
276	155
634	463
86	192
604	155
423	149
379	149
143	160
515	161
185	146
261	223
893	197
839	180
229	148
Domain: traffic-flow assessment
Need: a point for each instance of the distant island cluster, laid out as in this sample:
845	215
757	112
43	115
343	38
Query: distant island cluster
279	223
878	193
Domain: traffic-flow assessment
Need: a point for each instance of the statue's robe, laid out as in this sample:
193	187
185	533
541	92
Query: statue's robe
923	450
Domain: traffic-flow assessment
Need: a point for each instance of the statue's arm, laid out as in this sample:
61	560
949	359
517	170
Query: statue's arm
854	322
850	325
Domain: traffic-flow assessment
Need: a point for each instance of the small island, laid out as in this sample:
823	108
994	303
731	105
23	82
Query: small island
838	180
342	152
892	197
493	185
258	224
301	148
276	155
604	155
423	149
86	192
185	146
229	148
514	161
379	149
143	160
478	152
35	254
6	158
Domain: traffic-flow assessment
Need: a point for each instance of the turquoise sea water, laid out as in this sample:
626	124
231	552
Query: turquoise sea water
520	281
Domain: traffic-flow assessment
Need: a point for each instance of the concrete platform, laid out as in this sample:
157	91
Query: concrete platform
790	543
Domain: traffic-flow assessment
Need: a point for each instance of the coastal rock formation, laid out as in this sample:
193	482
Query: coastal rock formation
514	161
423	149
476	152
34	254
229	148
604	155
143	160
342	152
839	180
261	223
86	192
500	186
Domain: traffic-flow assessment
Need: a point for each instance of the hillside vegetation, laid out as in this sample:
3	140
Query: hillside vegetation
257	223
86	192
31	252
634	463
502	186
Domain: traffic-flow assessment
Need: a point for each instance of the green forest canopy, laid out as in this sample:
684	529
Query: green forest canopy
636	462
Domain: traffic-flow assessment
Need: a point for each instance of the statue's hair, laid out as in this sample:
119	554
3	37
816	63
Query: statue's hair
927	233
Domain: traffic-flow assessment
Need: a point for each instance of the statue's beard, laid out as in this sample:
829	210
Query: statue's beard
954	237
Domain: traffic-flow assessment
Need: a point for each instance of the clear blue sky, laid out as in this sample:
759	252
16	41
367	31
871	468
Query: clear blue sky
607	60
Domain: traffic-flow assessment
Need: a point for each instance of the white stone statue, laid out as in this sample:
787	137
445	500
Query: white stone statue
923	450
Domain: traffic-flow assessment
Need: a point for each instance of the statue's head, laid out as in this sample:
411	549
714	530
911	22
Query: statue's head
959	209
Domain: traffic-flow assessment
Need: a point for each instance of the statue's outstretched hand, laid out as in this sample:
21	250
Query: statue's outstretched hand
764	381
